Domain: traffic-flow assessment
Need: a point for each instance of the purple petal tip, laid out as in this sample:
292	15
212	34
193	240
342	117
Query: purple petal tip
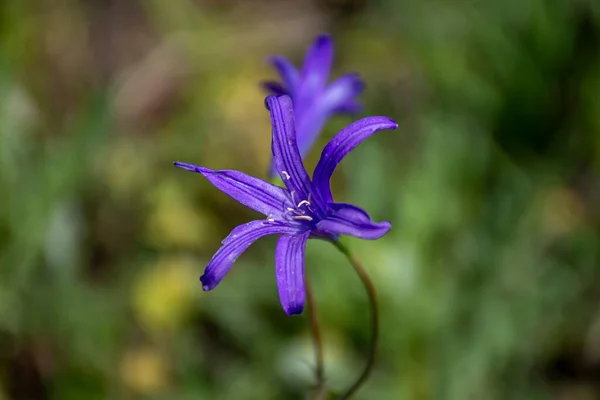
294	310
284	101
387	225
390	123
277	61
323	39
190	167
207	283
357	82
273	88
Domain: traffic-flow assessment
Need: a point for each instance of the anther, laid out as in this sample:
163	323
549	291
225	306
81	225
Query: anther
303	202
304	217
285	175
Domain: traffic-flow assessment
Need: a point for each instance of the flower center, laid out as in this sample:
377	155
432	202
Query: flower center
299	210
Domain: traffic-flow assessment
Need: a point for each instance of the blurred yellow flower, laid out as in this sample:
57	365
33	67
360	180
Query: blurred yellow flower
173	221
163	294
144	371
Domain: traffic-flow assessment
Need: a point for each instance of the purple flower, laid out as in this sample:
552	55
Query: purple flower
314	101
303	209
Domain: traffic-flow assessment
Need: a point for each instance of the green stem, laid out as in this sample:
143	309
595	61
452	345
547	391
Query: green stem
318	342
370	288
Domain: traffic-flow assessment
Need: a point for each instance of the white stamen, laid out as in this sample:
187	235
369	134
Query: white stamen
291	209
285	175
270	219
304	217
303	202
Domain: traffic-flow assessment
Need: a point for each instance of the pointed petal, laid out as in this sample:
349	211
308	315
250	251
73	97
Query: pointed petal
342	92
234	245
310	124
350	107
286	156
252	192
347	219
338	97
317	65
274	88
289	270
340	145
289	74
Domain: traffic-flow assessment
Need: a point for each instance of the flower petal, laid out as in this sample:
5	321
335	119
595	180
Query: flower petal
235	244
309	125
347	219
286	156
275	88
340	145
252	192
317	65
342	91
289	74
318	109
353	106
289	271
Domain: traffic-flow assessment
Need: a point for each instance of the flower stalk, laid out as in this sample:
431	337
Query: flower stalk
317	341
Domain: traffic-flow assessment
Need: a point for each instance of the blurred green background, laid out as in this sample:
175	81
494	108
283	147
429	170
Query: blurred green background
489	282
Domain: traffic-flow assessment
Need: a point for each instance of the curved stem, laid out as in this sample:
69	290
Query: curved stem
316	336
370	288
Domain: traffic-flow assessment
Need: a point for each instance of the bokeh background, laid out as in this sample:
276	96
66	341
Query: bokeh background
489	282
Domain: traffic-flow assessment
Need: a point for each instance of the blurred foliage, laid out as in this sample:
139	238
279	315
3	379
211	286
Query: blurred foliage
489	282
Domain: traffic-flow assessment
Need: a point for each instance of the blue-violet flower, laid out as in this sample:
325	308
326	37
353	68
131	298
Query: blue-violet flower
314	101
303	209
